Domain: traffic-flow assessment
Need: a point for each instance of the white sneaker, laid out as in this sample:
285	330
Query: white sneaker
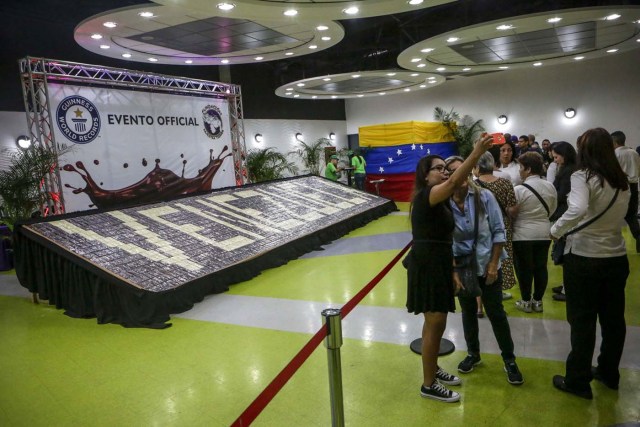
439	392
536	306
523	305
446	378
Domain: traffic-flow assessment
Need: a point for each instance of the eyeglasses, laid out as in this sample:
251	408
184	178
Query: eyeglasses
439	168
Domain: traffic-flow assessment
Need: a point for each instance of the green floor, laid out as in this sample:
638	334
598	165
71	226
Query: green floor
59	371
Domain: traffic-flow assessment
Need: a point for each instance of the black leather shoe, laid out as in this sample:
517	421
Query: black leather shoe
598	376
557	289
638	244
559	297
558	382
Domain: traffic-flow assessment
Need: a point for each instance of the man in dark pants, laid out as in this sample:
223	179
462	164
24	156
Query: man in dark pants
630	162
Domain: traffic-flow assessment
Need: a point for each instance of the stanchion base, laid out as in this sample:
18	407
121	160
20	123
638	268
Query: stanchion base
446	346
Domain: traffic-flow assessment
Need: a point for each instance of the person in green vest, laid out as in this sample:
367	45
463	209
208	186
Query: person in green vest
332	171
359	174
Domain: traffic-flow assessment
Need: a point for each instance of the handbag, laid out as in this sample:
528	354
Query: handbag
467	265
557	251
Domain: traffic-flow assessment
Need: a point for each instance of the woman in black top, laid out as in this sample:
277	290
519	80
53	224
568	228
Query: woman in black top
432	283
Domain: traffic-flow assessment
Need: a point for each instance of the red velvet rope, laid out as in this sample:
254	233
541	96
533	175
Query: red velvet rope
263	399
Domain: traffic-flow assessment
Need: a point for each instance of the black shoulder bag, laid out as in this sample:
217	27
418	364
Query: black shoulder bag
467	265
557	252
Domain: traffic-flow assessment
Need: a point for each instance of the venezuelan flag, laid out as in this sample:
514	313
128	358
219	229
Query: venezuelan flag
393	151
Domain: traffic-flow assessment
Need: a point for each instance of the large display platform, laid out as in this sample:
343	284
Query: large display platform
137	265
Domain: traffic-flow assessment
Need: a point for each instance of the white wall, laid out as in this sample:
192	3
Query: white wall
605	92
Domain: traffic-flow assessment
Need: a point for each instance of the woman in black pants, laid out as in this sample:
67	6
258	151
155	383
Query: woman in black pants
536	199
595	264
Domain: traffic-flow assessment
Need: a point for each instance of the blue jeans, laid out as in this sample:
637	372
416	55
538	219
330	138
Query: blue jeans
492	300
359	179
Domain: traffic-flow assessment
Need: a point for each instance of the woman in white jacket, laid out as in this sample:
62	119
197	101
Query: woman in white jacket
595	264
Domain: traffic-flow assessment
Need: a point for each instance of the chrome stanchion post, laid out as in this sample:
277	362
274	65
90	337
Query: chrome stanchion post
333	342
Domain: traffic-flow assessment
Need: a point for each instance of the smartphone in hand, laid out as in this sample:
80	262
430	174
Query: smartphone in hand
498	138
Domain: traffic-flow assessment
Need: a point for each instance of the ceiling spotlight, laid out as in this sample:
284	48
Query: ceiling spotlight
360	96
570	113
290	12
554	20
355	76
415	2
427	50
23	142
432	82
382	93
314	96
258	138
502	119
537	64
300	84
296	95
326	38
288	53
153	59
225	61
110	24
578	58
313	46
440	69
504	67
504	27
414	74
104	46
126	55
351	10
258	58
96	36
322	28
289	88
391	74
188	61
298	136
612	50
326	79
421	65
423	86
225	6
407	90
333	97
466	69
612	17
146	14
453	39
416	59
332	136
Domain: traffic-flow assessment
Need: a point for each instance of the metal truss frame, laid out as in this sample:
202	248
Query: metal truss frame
35	74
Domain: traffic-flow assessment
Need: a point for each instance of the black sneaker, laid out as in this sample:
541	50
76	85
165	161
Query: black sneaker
557	289
468	363
514	376
558	382
446	378
559	297
439	392
598	376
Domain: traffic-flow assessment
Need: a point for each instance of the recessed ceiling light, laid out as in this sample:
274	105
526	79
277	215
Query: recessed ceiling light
289	93
360	96
431	78
554	20
421	65
322	28
440	68
427	50
314	97
466	69
104	46
351	10
225	61
537	64
146	14
289	88
612	17
313	46
414	74
609	51
290	12
225	6
504	67
407	90
110	24
96	36
504	27
391	74
355	76
258	58
578	58
300	84
382	93
333	97
415	2
153	60
453	39
296	95
126	55
432	82
288	53
423	86
327	79
416	59
188	61
326	38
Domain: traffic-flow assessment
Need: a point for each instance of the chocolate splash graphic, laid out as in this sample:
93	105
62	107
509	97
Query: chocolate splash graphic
159	184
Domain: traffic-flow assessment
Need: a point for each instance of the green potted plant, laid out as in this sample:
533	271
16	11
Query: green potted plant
464	129
265	164
310	154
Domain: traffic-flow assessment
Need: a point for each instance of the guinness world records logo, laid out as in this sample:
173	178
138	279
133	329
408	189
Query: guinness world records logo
212	119
78	119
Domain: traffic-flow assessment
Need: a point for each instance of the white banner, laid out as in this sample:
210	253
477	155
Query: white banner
142	146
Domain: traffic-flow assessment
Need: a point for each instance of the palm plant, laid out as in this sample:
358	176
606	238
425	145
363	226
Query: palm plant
310	154
265	164
22	184
464	129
